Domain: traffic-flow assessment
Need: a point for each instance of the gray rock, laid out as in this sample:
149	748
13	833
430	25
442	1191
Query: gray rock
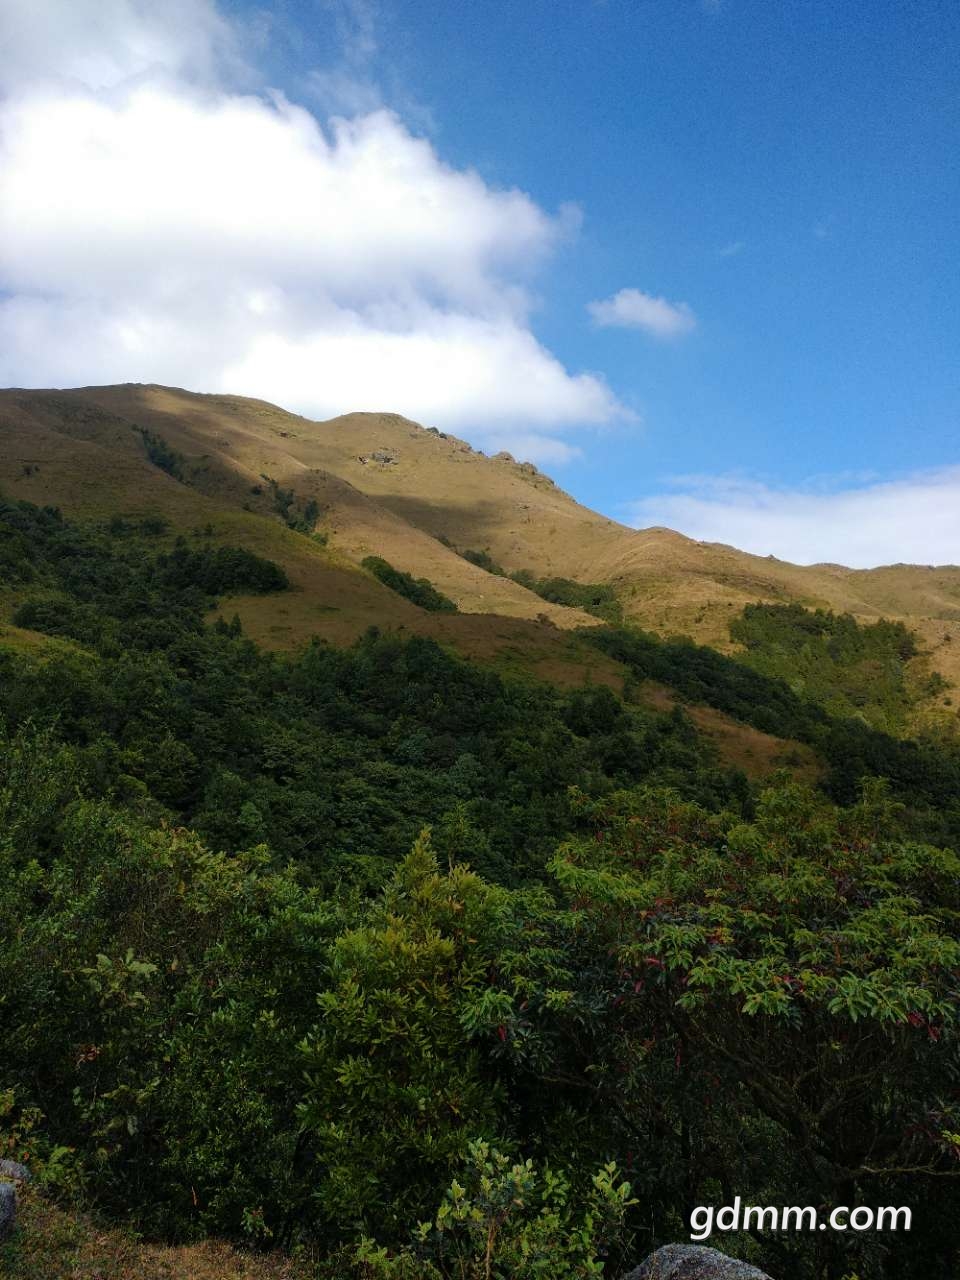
693	1262
8	1209
11	1169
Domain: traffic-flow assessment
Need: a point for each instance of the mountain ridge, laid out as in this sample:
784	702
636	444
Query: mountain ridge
419	497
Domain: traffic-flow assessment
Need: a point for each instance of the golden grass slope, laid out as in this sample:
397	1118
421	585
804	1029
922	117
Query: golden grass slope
78	451
390	487
230	445
441	486
81	451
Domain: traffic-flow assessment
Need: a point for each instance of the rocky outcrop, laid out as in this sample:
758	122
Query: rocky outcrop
8	1209
693	1262
10	1169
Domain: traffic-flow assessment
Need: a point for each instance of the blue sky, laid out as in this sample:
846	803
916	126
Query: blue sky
724	295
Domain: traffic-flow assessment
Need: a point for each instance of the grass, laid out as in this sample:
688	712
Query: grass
84	450
738	745
52	1244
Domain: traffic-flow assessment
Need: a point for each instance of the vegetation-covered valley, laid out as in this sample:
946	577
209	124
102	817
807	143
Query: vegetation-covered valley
404	966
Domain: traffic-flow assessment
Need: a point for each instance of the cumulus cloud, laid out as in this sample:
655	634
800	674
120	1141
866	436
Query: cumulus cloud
454	367
631	309
914	520
156	224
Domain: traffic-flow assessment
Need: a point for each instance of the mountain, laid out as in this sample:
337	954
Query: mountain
386	486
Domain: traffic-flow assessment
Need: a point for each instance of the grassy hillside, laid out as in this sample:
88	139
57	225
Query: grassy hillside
86	451
319	498
67	449
380	485
384	486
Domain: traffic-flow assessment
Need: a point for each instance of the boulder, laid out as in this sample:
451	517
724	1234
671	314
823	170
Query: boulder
693	1262
11	1169
8	1209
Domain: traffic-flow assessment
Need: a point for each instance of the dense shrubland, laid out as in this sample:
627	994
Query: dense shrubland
245	992
337	758
925	774
848	668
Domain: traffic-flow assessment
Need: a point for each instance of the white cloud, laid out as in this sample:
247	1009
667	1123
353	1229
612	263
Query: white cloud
101	43
913	520
458	370
631	309
157	225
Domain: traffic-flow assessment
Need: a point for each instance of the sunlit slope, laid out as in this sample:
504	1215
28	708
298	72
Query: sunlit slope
230	445
439	485
432	486
84	451
71	450
389	487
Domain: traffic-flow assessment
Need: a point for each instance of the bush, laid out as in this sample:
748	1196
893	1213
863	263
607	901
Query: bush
419	591
791	978
848	668
483	560
220	571
60	615
163	456
598	598
508	1219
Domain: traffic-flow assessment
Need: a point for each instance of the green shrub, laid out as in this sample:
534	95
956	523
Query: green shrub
285	505
419	591
598	598
483	560
163	455
509	1220
220	571
60	615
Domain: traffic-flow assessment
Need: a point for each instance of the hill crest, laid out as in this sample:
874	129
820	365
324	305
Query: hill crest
419	497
